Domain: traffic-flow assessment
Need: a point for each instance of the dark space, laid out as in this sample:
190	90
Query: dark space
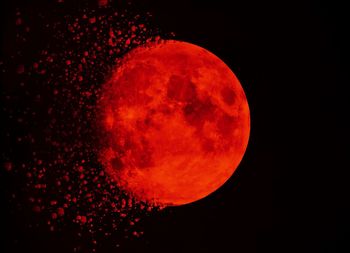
290	192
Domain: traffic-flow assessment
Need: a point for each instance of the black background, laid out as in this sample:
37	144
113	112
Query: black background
289	194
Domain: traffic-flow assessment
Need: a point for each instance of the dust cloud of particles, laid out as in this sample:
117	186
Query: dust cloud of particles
59	68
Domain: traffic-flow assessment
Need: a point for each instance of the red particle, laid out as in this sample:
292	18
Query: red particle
53	202
102	2
35	65
111	42
60	211
18	21
83	219
92	20
37	209
111	33
68	62
8	166
68	197
20	69
87	94
54	216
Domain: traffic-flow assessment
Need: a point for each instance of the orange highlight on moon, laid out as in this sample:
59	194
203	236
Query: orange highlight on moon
176	123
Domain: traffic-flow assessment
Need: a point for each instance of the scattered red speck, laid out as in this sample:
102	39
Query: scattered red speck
49	59
102	2
92	20
60	211
20	69
19	21
83	219
54	216
8	166
37	209
68	62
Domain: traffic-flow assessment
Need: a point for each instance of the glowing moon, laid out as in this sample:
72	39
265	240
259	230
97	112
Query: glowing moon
176	122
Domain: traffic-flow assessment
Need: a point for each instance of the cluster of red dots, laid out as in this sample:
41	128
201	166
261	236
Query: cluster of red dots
65	182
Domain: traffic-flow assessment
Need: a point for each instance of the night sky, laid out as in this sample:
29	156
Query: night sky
290	192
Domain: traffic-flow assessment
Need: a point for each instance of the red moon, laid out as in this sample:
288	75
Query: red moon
176	123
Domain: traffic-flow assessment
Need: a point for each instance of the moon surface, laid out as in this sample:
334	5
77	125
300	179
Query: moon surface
176	123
